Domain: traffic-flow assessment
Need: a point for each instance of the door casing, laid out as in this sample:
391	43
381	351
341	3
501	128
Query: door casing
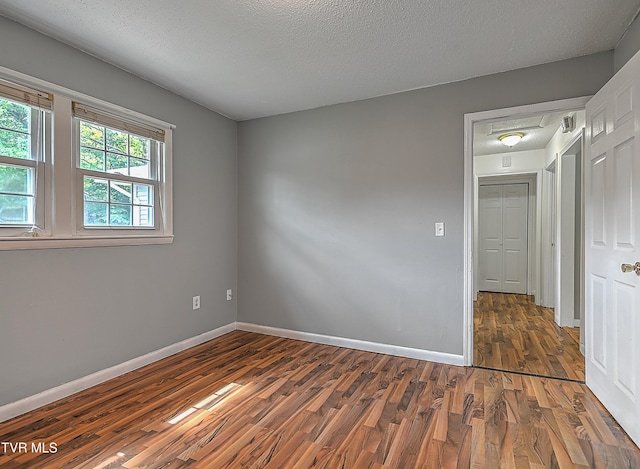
568	286
567	105
548	244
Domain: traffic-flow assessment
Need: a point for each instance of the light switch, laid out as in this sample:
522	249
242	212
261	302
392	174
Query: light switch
439	228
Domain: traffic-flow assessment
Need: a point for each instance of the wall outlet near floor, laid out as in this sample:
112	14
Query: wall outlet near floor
196	302
229	294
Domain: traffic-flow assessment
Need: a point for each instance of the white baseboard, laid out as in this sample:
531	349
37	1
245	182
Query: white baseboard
408	352
27	404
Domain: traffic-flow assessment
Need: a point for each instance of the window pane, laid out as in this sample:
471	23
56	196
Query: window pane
119	152
95	189
15	180
121	215
139	147
117	164
117	203
139	168
92	159
14	144
108	200
117	141
142	216
120	192
16	210
142	194
95	214
91	135
14	116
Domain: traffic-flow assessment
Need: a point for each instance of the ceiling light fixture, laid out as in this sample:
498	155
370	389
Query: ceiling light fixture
511	139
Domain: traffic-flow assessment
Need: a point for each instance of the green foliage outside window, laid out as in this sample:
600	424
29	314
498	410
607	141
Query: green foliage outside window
108	202
15	139
105	149
101	149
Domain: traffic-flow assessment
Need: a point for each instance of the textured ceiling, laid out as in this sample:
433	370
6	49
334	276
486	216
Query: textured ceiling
253	58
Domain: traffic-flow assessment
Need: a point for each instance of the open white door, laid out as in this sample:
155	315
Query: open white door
612	238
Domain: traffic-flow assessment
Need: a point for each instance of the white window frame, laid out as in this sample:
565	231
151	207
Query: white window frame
155	169
61	207
37	164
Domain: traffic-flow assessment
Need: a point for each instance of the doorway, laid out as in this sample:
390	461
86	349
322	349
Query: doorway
569	239
515	329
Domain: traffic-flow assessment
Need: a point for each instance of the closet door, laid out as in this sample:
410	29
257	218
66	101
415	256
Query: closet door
502	225
514	237
490	238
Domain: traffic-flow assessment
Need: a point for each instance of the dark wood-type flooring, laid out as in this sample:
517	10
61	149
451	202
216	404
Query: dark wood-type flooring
246	400
511	333
574	332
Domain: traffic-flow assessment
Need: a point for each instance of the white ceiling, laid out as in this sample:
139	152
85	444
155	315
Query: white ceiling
537	131
253	58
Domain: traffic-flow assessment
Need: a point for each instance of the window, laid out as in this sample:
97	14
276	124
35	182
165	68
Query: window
118	164
111	183
23	121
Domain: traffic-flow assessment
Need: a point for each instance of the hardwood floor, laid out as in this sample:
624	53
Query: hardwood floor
511	333
246	400
574	332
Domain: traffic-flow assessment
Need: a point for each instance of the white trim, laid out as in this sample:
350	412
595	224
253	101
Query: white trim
27	404
469	120
548	243
467	272
560	315
388	349
48	396
26	242
61	205
39	154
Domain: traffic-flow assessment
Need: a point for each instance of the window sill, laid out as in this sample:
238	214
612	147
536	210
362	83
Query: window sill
20	243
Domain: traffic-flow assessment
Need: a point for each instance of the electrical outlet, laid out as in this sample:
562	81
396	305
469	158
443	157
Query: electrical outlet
229	294
196	302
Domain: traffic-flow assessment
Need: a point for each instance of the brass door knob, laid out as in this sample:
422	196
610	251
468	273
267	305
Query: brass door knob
631	268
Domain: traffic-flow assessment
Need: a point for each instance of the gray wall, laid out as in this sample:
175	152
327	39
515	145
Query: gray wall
337	207
69	312
628	46
335	235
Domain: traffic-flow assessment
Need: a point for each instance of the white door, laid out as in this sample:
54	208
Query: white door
514	235
502	226
612	237
490	238
549	236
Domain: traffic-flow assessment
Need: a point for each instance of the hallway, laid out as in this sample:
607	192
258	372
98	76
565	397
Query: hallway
511	333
